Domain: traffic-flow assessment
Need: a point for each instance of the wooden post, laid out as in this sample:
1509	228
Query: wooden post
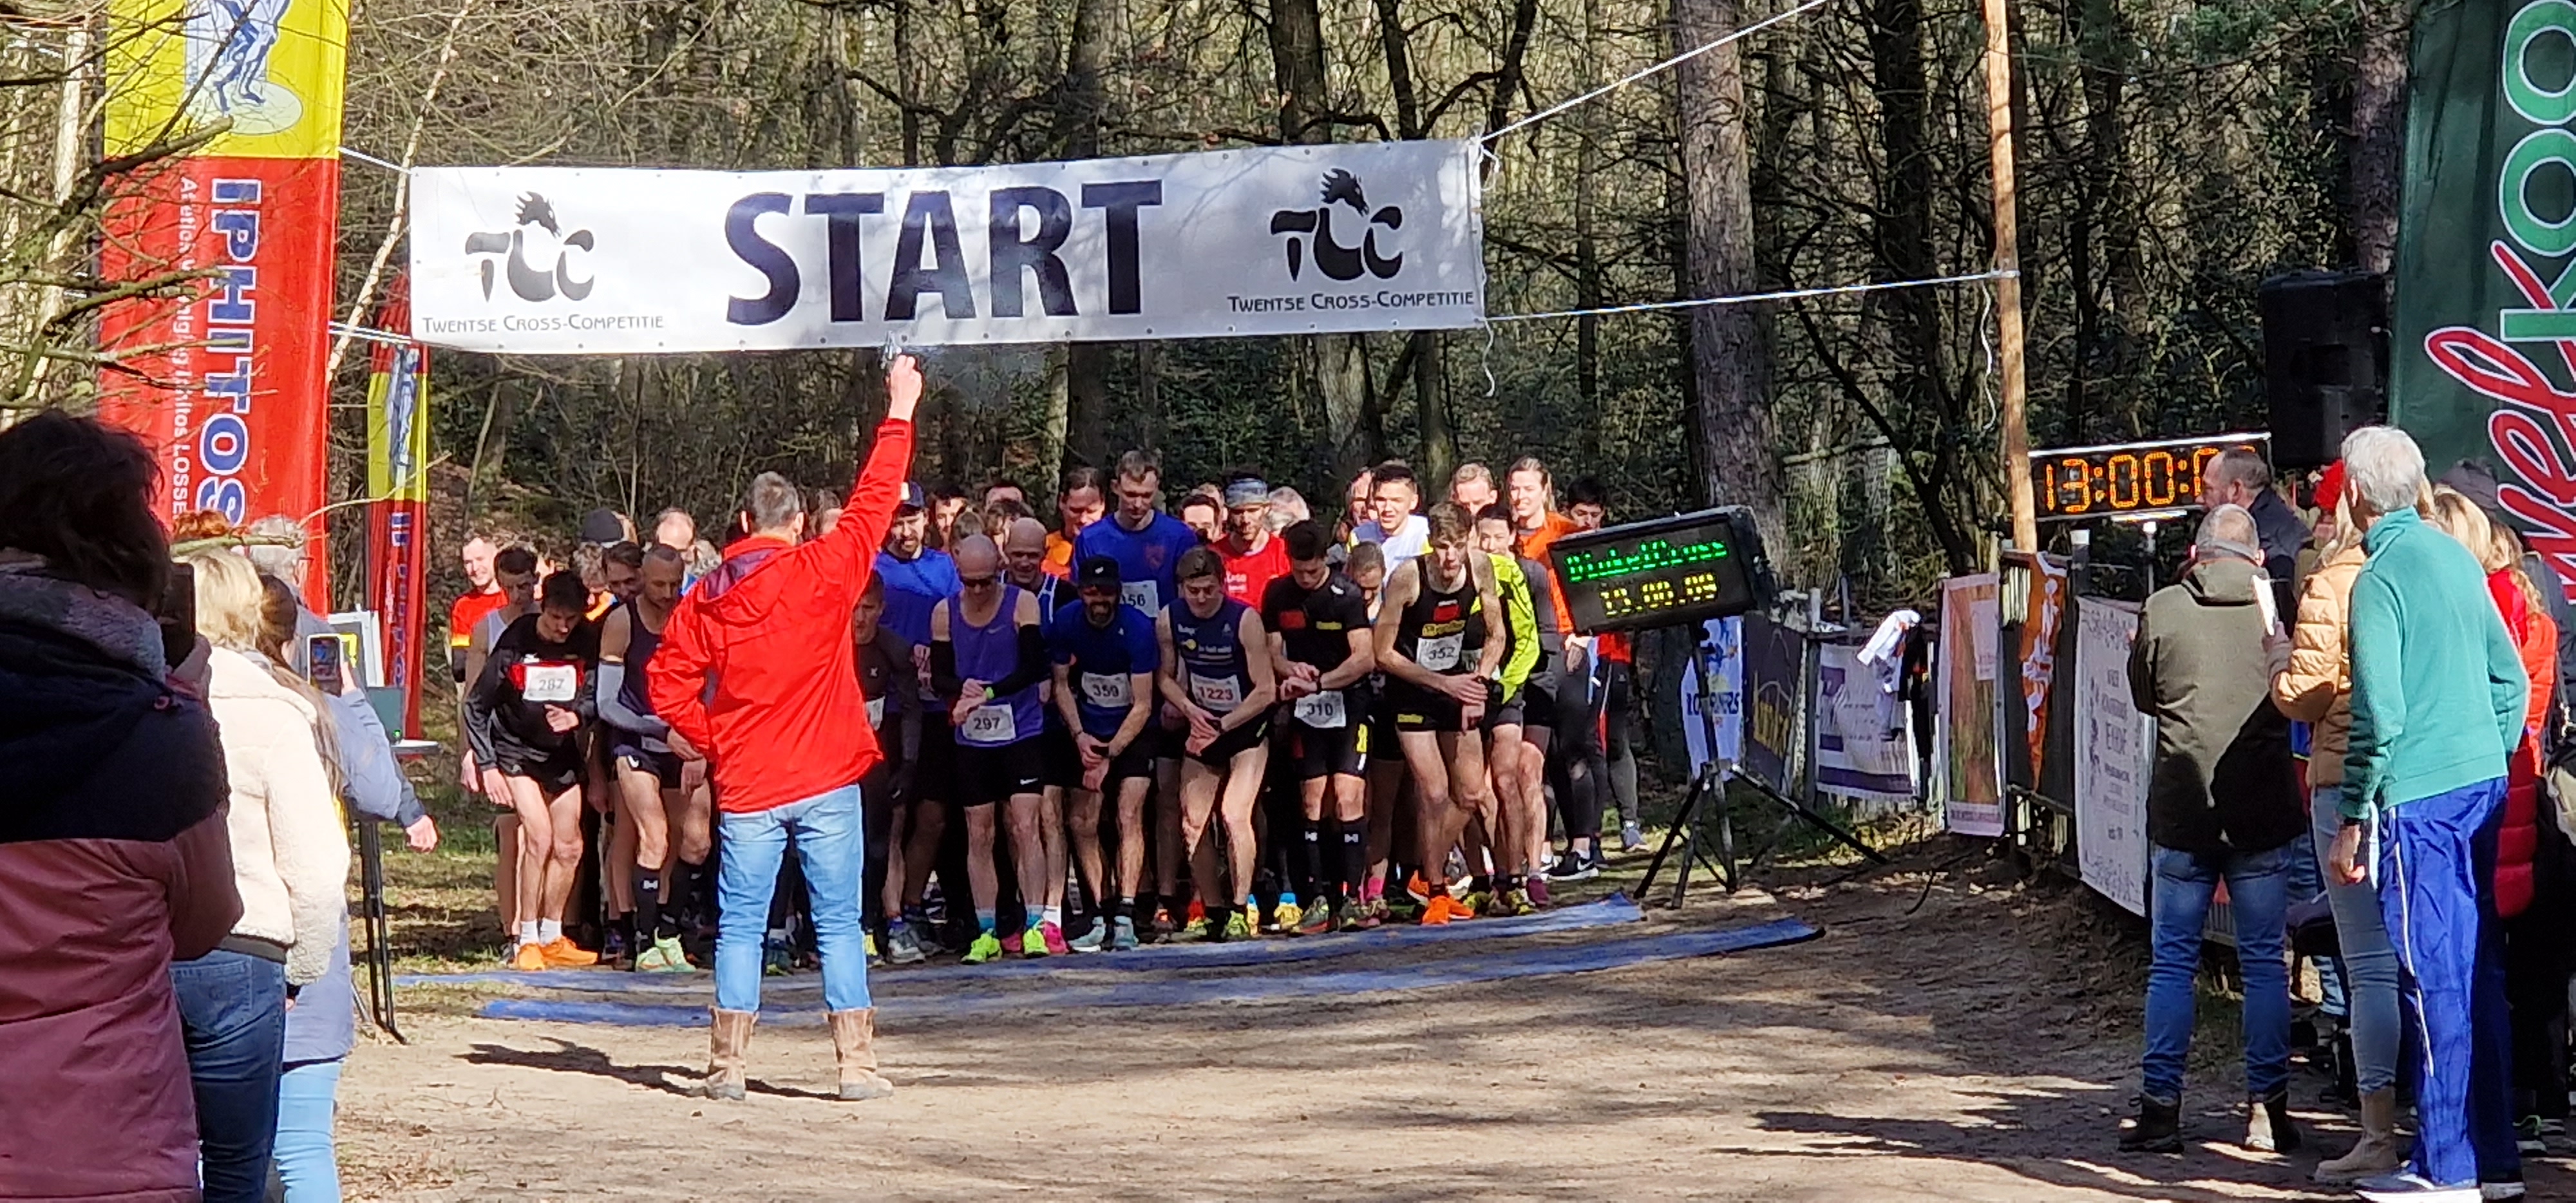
2016	457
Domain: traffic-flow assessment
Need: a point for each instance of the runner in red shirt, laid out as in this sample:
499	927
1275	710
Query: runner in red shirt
1252	556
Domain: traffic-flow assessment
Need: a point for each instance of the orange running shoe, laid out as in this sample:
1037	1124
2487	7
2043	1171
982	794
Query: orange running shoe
564	954
1438	911
1418	889
528	959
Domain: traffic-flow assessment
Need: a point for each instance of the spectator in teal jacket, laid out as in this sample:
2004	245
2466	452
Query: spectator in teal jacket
2437	700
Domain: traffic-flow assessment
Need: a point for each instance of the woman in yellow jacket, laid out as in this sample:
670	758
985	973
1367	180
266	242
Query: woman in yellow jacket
2314	686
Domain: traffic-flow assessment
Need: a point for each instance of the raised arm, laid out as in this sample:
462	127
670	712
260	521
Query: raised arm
847	552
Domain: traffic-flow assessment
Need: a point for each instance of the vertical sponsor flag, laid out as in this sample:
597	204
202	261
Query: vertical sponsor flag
398	515
2483	351
223	377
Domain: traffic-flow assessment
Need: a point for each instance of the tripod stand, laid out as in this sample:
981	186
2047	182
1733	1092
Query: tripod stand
1706	812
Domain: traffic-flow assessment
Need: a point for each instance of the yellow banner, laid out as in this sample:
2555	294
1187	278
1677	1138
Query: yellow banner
276	69
398	424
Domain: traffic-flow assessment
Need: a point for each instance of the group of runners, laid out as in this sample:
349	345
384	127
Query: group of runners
1223	720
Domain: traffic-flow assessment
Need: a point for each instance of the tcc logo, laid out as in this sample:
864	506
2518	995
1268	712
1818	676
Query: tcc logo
532	284
1332	258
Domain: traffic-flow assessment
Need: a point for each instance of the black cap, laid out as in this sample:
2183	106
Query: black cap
603	526
913	497
1096	572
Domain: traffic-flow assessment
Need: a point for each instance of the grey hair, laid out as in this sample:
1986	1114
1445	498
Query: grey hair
1287	508
283	561
2383	468
772	502
2239	465
2229	528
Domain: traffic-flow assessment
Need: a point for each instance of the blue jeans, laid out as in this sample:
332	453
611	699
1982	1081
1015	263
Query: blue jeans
2258	891
2436	867
232	1013
2308	883
307	1099
830	846
2369	965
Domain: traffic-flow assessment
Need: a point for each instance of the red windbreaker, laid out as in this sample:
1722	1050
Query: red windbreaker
770	631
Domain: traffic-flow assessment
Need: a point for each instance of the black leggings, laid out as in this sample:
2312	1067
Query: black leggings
876	811
1575	765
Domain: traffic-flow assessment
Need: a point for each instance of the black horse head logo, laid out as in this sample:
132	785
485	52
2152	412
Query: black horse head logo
530	283
1336	261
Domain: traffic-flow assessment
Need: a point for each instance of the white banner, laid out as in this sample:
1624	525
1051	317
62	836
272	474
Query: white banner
2114	746
1726	676
1264	241
1864	745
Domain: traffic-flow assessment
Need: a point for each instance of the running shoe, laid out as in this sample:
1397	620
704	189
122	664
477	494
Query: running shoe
1163	926
1094	940
1033	942
1054	936
987	947
673	958
528	959
1316	921
1192	932
1537	892
1522	903
2529	1136
1418	890
1123	936
903	948
1574	867
868	945
1287	917
612	948
1352	916
1631	839
1438	911
1238	925
777	958
564	954
1373	914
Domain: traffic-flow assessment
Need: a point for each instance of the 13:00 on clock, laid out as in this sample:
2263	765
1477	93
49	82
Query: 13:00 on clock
2128	478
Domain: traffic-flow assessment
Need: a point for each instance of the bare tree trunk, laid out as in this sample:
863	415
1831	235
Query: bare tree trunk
1587	247
1079	105
1729	346
2378	131
1341	367
1431	400
1152	425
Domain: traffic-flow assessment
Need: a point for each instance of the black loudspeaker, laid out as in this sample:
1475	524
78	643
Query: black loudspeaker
2325	351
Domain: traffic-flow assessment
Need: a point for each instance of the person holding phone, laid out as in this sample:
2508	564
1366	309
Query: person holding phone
524	717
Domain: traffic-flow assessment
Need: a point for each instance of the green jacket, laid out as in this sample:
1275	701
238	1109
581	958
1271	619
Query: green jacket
2222	778
2437	690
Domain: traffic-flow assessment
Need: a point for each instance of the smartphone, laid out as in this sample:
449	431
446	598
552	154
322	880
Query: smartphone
177	615
322	662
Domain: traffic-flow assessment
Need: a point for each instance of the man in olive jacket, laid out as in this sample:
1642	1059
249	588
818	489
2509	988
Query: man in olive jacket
2222	804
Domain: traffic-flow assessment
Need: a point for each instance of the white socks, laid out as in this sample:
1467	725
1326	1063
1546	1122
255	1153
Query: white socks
549	931
1052	914
528	932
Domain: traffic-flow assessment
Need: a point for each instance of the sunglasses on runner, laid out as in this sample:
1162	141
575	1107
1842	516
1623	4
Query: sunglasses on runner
979	582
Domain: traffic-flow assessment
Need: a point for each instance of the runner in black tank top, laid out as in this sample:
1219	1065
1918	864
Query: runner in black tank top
1441	684
1319	636
1213	676
648	772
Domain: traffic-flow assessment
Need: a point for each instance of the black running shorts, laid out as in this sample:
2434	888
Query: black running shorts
1242	739
986	775
1329	751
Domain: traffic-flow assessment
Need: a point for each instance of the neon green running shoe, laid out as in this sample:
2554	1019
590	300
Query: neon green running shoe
986	947
1192	932
1238	925
1033	942
663	956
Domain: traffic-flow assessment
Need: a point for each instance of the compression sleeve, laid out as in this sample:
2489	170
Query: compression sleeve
944	680
613	709
1033	665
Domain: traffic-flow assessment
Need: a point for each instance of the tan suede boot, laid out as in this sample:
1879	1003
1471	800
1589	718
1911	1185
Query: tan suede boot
854	1035
727	1039
2378	1153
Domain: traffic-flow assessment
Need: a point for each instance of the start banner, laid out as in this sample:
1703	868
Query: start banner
222	374
2482	351
1262	241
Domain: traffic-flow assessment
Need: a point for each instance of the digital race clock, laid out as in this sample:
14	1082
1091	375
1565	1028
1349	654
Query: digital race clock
1663	572
2129	478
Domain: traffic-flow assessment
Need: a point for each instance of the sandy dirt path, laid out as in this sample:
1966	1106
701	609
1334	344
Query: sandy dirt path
1973	1049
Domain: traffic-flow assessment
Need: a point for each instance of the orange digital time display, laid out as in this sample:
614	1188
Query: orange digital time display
2129	478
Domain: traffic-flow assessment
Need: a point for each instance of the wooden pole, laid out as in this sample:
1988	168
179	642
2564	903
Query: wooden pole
2016	450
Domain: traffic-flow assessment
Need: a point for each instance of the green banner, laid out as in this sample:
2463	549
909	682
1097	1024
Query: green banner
2483	353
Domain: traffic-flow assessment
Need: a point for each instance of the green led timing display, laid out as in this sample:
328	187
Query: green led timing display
1653	555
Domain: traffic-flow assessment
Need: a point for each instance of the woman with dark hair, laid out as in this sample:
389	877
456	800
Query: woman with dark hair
114	856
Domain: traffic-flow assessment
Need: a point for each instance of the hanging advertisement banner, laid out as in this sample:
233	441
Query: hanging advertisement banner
223	374
1722	647
2113	749
2482	350
1265	240
2043	606
1864	753
1774	661
1972	776
398	515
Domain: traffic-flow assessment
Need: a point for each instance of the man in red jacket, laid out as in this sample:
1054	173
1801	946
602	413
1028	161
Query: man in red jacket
755	675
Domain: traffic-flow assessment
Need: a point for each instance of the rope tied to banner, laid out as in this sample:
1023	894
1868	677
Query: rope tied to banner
1649	72
1794	294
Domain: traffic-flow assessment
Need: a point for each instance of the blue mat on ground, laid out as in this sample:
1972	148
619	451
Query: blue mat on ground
1615	909
1456	971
